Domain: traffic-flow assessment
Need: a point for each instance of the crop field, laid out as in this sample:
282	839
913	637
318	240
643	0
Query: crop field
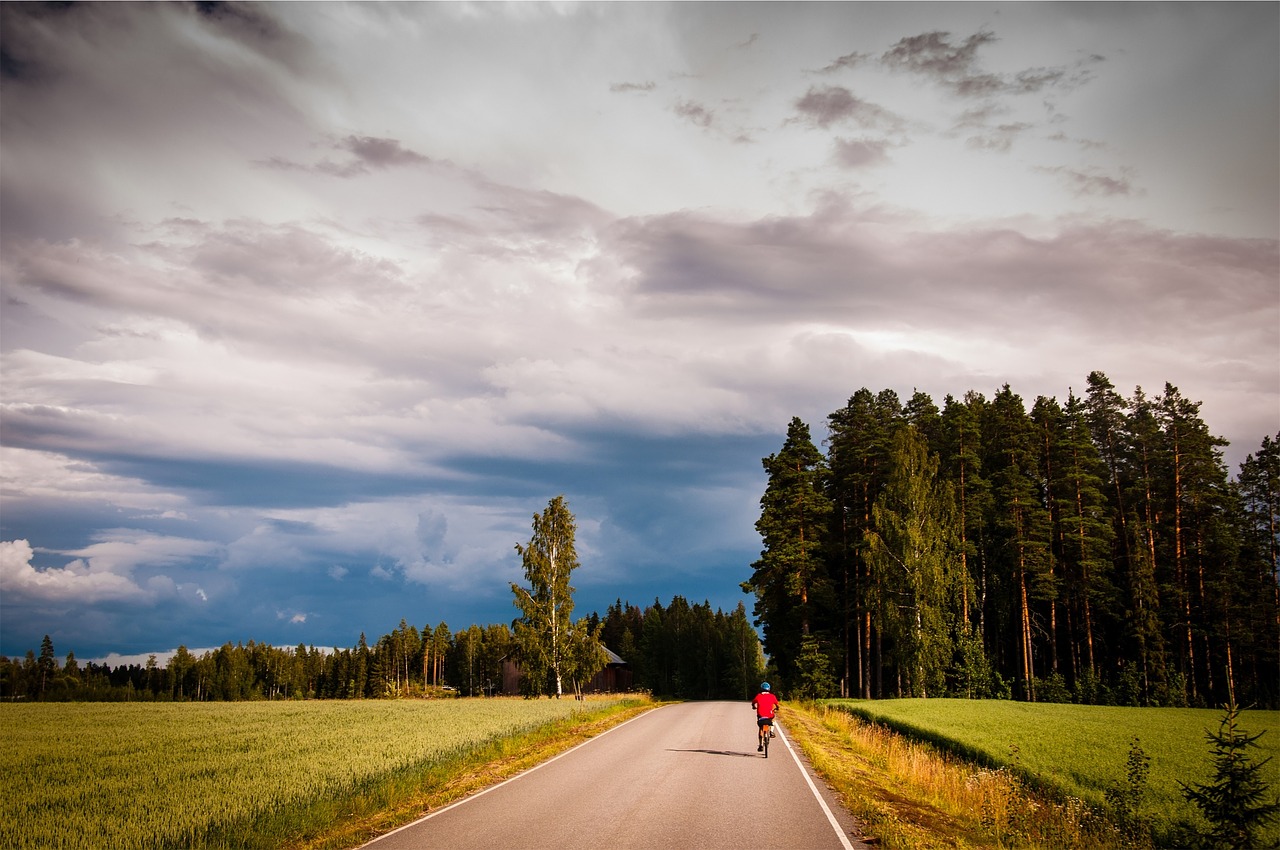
1080	750
134	775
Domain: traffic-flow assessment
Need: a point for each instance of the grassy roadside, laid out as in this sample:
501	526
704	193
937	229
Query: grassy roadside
392	801
909	796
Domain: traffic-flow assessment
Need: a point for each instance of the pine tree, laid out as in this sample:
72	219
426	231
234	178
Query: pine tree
1236	802
861	436
1088	539
1147	466
546	605
813	671
790	575
911	551
1258	485
1048	418
1020	527
48	663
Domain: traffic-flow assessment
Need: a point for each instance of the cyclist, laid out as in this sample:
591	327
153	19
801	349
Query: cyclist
766	706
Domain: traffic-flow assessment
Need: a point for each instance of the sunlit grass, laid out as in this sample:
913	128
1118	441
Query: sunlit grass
910	796
1080	751
92	775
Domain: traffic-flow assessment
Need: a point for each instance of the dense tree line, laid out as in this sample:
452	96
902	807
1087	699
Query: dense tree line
686	651
681	649
1094	550
405	662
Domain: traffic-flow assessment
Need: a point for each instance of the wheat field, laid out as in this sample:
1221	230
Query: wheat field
149	775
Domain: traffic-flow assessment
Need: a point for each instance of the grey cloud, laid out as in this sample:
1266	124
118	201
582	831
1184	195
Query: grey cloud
250	22
633	87
1092	182
1000	138
827	105
846	62
860	153
381	153
695	113
955	66
835	268
933	54
368	153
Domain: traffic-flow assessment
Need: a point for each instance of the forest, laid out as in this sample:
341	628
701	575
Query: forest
1092	551
682	650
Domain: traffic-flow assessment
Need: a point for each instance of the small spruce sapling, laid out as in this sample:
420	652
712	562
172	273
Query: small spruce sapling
1235	803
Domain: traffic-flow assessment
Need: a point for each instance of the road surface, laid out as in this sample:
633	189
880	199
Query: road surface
684	775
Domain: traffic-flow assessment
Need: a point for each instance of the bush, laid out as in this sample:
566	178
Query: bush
1052	688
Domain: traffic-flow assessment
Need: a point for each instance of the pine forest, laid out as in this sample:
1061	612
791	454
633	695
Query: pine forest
1092	551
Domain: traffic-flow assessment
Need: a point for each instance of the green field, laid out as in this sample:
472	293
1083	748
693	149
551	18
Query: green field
148	775
1079	750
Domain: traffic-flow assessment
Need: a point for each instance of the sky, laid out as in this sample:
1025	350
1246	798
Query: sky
307	309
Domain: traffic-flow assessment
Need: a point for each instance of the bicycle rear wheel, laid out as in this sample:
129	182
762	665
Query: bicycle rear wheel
766	734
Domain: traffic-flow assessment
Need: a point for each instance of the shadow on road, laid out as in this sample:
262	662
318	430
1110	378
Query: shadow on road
719	753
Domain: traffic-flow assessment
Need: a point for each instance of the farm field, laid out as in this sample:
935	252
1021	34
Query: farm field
147	775
1079	749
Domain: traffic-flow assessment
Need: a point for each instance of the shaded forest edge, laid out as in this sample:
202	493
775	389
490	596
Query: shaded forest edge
1094	551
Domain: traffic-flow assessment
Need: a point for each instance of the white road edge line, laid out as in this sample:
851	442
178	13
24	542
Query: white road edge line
520	775
835	824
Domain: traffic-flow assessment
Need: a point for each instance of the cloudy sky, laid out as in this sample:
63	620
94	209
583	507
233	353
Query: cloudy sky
307	309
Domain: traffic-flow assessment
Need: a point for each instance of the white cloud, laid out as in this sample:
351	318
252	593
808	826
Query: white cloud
77	581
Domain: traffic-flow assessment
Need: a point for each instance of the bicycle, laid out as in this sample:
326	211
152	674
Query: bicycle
766	732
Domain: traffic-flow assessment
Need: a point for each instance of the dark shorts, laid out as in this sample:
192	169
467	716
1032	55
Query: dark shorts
765	721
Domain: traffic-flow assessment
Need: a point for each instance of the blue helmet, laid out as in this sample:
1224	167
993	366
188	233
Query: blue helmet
764	686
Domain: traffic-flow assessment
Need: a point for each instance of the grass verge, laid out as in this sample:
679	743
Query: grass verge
407	795
911	796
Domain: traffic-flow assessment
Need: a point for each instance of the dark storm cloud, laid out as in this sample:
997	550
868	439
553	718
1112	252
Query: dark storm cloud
244	19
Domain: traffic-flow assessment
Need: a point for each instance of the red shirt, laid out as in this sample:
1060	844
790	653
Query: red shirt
765	704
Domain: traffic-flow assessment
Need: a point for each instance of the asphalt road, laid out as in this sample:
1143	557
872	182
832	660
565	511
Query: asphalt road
681	776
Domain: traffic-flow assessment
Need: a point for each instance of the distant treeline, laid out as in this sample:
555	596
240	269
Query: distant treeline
1094	551
679	650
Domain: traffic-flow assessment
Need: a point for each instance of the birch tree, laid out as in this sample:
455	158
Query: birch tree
546	605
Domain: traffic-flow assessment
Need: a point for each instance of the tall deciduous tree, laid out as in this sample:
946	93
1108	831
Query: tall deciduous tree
546	605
